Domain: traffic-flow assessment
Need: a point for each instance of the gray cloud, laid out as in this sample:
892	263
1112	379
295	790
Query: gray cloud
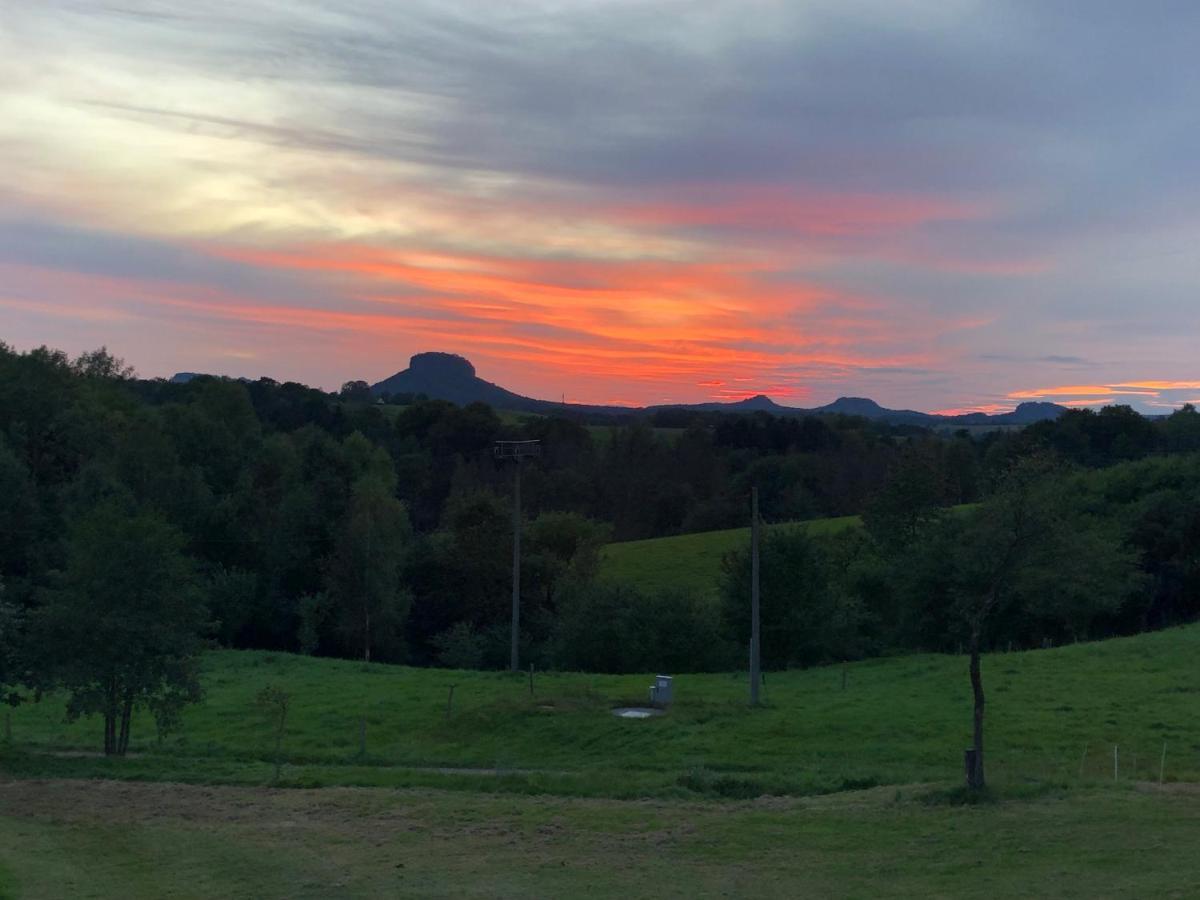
1072	125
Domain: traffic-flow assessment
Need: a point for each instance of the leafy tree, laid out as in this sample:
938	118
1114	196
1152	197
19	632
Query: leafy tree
460	647
355	391
612	627
124	625
102	364
313	610
19	514
913	496
1025	547
233	601
1182	430
803	621
363	574
10	627
558	546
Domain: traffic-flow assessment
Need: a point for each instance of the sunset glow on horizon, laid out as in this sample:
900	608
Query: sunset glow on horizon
612	202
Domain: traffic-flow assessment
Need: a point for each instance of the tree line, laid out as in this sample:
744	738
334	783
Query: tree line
143	520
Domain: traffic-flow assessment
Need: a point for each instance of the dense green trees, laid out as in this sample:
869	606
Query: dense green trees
610	627
286	518
804	621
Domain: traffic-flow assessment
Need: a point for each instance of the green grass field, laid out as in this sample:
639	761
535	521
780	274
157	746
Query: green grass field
691	561
107	839
825	791
897	721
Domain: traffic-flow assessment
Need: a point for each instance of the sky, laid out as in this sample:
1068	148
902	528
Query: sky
940	204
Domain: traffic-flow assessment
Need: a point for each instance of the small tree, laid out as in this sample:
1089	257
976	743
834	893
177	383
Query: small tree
274	702
1025	546
124	626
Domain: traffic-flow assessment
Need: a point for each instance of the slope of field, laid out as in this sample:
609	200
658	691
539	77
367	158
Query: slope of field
691	561
105	839
1052	715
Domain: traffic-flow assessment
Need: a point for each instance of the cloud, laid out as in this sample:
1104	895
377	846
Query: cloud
930	202
1150	394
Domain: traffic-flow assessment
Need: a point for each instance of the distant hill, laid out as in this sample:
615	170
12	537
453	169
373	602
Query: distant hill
447	376
1024	414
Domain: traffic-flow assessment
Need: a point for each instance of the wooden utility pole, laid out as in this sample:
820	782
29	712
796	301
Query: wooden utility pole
516	451
755	657
515	661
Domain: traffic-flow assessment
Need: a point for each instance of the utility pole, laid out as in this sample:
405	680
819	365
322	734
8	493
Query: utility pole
515	651
755	647
516	451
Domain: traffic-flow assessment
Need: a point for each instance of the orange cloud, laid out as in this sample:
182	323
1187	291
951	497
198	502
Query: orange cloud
1096	401
1080	390
687	316
578	327
1148	391
1161	385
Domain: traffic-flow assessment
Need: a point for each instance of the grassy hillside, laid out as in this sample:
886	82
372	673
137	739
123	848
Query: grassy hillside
533	806
690	560
1051	715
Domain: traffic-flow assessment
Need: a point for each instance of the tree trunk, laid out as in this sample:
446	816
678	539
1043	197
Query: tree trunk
366	634
110	718
279	742
975	778
126	716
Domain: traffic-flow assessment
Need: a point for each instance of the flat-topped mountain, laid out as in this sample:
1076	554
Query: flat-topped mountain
448	376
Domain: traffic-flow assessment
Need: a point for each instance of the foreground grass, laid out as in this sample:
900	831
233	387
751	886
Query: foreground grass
1053	715
691	561
105	839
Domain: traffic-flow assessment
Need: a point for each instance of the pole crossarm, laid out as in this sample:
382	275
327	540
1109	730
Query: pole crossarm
517	450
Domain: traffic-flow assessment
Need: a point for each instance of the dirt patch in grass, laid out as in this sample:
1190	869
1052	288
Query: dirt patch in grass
354	813
121	802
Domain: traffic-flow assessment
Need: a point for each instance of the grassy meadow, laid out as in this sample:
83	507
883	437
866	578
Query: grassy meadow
691	561
842	784
1052	714
96	839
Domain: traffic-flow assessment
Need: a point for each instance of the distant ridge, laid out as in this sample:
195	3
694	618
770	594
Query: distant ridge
448	376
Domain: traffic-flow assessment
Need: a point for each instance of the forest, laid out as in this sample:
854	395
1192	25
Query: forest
144	520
